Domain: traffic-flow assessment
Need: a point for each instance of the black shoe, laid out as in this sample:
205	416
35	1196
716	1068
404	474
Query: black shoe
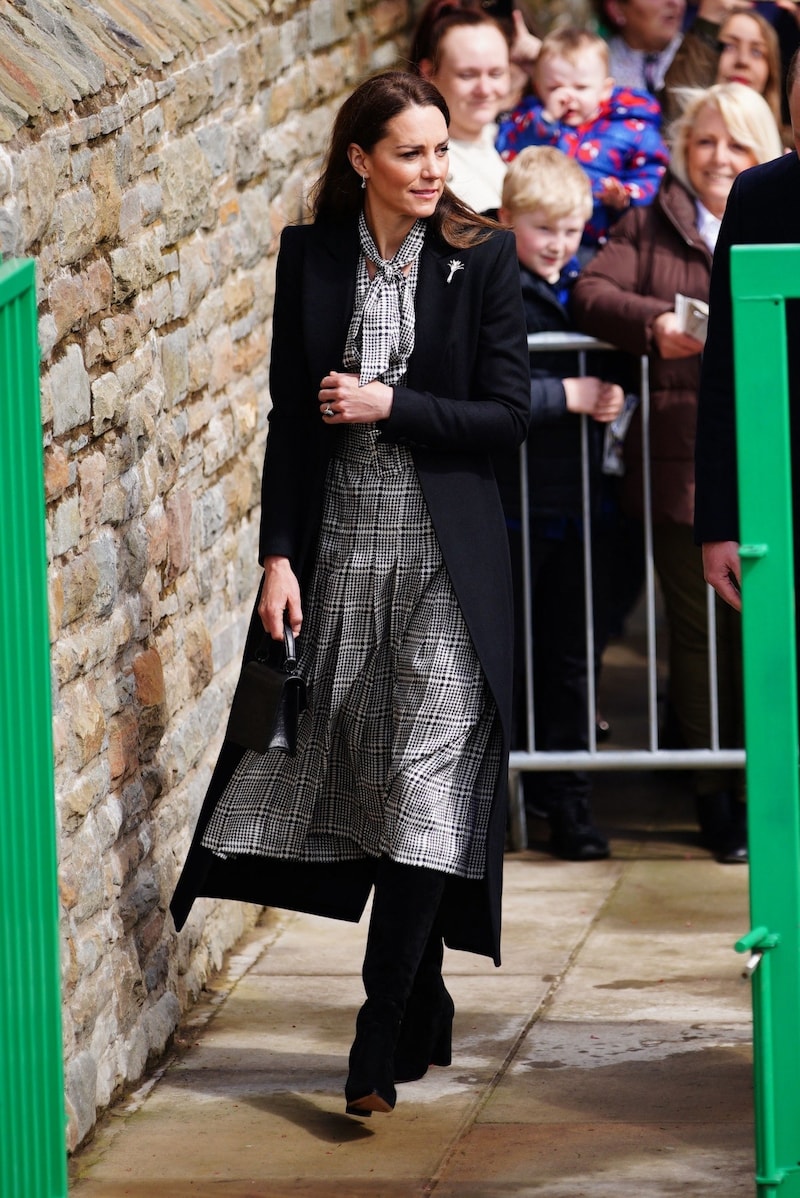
573	836
723	826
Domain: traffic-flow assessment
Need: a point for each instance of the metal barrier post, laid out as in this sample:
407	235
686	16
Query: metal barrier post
32	1153
770	676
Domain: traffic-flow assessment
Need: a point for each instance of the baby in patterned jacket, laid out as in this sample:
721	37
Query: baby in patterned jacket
613	132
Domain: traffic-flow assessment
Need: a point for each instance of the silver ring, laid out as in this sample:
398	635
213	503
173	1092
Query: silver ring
328	411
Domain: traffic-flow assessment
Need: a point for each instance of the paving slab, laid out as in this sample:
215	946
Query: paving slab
609	1056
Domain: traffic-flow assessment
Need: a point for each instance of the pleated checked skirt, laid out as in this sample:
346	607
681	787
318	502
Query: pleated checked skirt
399	750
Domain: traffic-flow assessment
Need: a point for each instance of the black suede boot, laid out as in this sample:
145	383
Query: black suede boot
404	909
427	1026
573	836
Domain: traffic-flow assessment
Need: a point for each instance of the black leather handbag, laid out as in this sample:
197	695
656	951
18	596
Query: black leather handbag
268	700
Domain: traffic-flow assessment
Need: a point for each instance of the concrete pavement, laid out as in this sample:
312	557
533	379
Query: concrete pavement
609	1056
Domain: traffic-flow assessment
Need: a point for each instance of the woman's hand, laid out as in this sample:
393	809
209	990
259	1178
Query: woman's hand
671	342
342	401
592	397
280	593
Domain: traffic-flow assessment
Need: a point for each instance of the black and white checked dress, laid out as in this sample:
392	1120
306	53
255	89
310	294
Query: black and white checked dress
399	750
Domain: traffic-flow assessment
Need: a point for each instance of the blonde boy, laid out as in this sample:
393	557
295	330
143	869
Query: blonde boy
546	201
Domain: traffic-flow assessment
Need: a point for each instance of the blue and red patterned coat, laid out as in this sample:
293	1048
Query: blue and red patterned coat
623	141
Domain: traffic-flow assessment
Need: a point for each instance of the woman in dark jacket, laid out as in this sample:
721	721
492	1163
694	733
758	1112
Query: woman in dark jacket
399	366
627	295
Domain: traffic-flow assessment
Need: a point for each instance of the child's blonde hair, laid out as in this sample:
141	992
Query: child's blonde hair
544	178
569	43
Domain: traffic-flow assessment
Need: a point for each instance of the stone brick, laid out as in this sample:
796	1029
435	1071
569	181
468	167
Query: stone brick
104	554
191	96
36	189
64	526
91	480
76	802
57	472
149	674
196	273
179	524
6	173
220	446
48	339
105	184
328	21
78	581
55	606
136	266
199	656
388	16
11	237
107	401
247	159
74	218
185	177
123	745
88	724
120	336
216	142
71	394
157	527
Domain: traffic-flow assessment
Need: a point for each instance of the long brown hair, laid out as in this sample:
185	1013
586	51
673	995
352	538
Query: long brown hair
772	88
363	120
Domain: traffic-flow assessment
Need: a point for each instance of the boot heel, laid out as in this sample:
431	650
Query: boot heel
426	1039
442	1050
369	1085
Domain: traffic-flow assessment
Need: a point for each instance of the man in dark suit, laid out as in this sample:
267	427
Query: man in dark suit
763	209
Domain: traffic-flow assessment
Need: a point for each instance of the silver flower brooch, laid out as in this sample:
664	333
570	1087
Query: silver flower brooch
454	264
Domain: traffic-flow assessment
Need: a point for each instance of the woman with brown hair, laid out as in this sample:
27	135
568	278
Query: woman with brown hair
464	52
743	48
399	366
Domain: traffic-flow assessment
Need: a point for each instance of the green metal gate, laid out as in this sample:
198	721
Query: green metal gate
32	1155
763	277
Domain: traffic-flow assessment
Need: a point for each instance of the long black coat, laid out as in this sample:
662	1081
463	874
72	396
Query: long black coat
763	209
466	397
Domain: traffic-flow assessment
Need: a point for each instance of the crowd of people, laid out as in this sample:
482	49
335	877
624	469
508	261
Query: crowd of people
660	114
462	205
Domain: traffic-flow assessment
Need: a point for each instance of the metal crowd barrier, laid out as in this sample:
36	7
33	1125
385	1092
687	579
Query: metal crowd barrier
600	758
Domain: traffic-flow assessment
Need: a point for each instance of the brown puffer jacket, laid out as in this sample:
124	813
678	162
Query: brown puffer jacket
652	254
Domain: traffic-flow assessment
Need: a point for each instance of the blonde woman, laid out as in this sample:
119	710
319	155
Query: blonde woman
627	295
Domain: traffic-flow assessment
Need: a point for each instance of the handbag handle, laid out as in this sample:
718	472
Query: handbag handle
265	649
290	664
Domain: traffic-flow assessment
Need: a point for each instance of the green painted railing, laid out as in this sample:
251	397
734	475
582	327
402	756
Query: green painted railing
32	1156
763	277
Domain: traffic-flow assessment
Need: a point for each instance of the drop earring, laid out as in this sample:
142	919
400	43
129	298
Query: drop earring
363	182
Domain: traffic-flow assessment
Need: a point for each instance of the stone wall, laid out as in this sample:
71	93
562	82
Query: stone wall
149	156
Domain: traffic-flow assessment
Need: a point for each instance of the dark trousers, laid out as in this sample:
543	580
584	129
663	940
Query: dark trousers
679	565
560	698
